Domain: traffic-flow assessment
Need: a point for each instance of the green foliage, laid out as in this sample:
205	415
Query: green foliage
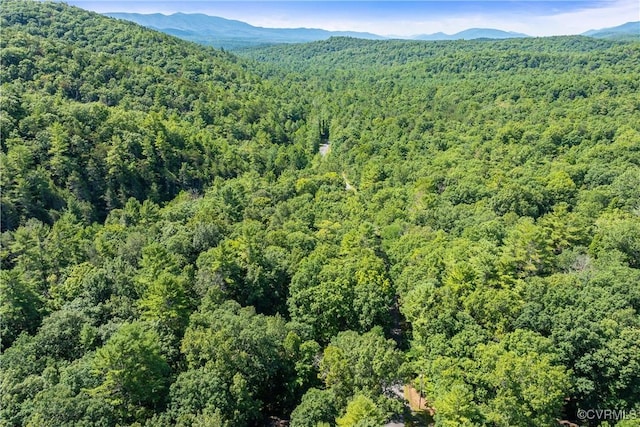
59	403
361	412
618	233
515	382
202	392
528	389
597	342
175	251
349	290
316	407
19	307
239	362
366	364
117	114
133	373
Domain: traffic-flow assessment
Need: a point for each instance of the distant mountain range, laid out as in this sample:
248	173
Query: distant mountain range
471	34
231	34
630	30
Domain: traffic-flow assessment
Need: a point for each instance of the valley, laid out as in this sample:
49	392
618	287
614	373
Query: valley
292	233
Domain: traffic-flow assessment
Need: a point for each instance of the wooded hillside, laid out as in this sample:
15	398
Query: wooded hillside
176	251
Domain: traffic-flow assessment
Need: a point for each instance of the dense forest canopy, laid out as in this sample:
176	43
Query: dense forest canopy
176	251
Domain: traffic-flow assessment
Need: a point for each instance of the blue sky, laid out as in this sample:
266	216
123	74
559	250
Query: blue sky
401	18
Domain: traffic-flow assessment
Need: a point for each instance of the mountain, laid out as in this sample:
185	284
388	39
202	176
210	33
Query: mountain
630	30
176	249
472	33
115	74
230	34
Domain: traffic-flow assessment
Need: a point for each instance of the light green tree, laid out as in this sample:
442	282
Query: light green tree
361	412
133	373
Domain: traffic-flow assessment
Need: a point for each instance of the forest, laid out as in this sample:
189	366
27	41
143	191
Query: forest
177	251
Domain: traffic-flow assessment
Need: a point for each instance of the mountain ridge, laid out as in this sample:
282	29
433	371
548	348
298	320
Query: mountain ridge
233	34
229	34
629	30
470	34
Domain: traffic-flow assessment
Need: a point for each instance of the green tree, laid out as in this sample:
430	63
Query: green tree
366	363
133	374
20	308
618	232
206	391
456	407
317	406
166	301
230	343
529	388
361	412
58	404
332	293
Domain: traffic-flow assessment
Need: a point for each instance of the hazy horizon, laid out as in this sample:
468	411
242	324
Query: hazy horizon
400	18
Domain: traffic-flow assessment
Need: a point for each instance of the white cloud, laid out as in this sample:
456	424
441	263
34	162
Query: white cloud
563	23
619	12
606	14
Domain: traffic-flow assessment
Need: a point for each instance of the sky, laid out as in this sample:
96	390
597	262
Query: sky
400	18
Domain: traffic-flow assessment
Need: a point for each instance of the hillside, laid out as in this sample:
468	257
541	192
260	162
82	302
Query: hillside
147	100
628	31
176	250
